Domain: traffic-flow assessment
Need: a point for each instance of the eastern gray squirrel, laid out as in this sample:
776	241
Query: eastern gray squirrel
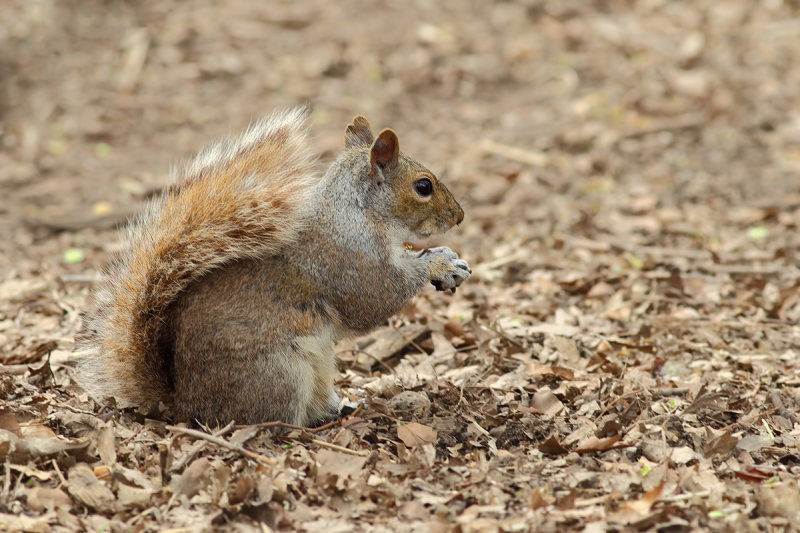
243	274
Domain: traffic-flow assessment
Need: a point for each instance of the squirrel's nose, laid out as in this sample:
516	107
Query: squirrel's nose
459	216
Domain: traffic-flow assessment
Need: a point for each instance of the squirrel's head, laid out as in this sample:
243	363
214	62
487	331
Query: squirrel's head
418	200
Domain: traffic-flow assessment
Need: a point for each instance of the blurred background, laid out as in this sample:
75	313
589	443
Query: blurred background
574	132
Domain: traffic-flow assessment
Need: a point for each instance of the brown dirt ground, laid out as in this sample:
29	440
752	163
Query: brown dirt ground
624	357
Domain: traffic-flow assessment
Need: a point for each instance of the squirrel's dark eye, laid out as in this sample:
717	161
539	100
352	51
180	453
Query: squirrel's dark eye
423	186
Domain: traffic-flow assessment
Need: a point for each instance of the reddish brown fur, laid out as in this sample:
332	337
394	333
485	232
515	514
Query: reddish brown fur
122	336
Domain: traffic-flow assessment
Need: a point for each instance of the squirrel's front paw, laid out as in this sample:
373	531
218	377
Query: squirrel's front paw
446	269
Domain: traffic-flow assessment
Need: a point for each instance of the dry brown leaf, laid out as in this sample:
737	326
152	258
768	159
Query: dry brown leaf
37	430
385	343
31	354
9	423
334	468
105	443
410	404
540	497
31	472
39	498
241	489
754	474
535	369
132	497
552	446
633	511
682	455
752	443
782	499
86	489
32	524
545	402
593	444
721	444
194	479
414	434
21	450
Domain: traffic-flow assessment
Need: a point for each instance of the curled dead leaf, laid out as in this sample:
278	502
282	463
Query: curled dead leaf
552	446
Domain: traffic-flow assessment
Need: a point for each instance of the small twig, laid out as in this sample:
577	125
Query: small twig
616	400
588	502
338	420
409	341
676	391
275	424
478	427
682	122
286	425
222	443
136	433
196	448
6	483
14	370
79	278
373	357
338	448
746	269
775	398
503	334
64	482
221	431
703	322
376	414
618	446
768	429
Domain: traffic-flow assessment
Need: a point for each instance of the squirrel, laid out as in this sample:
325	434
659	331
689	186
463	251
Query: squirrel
242	274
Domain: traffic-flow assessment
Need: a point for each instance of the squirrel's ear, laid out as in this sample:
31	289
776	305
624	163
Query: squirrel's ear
385	149
358	133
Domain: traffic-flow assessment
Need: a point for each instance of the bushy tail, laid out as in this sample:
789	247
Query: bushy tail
240	198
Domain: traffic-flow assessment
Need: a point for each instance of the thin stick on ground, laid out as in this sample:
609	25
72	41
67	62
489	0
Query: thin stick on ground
286	425
339	448
222	443
197	447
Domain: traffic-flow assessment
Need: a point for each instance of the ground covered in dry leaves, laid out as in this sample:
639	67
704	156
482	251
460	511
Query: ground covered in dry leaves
625	356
